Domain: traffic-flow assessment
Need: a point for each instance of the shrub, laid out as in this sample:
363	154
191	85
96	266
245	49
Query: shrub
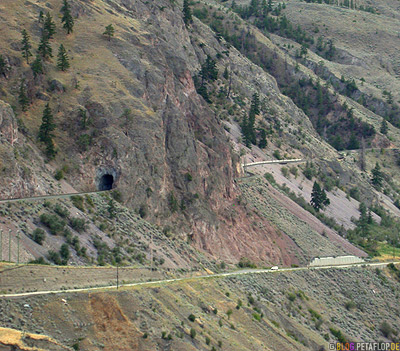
64	252
269	177
294	171
256	316
277	154
39	260
53	222
117	195
285	172
192	317
78	202
61	211
355	193
192	333
59	174
245	262
208	340
251	300
314	314
229	313
386	329
78	224
172	202
54	257
38	235
188	177
338	335
350	305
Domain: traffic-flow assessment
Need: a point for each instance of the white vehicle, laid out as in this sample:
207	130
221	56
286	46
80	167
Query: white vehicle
274	268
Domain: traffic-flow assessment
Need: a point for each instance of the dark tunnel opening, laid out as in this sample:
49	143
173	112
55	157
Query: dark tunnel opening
106	182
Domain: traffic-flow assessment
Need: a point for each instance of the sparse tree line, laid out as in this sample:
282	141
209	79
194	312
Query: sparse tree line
270	19
351	4
334	121
38	59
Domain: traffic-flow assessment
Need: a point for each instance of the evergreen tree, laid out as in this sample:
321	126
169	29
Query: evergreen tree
384	127
264	8
67	18
245	131
41	16
37	66
363	221
26	46
2	66
318	197
50	149
109	32
377	176
49	27
269	5
44	49
45	131
62	59
353	142
209	70
226	73
22	98
255	104
250	127
187	13
263	139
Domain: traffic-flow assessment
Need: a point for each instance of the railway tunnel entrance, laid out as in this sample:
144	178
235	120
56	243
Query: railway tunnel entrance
106	182
106	178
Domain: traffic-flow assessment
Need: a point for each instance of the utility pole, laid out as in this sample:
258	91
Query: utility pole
18	237
117	277
9	245
151	251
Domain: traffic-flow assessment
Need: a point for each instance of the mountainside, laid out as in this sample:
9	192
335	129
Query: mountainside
146	117
271	311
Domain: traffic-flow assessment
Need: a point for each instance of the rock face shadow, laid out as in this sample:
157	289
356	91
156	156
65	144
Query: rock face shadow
106	182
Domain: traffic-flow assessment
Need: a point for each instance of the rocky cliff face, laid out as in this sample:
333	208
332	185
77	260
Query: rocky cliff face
146	126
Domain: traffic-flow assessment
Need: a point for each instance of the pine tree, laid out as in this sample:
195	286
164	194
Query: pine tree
377	176
62	59
37	66
41	17
22	98
269	5
44	49
209	70
318	197
187	13
226	73
67	18
2	66
50	149
49	27
245	131
45	131
263	139
384	127
26	46
255	104
109	32
250	127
